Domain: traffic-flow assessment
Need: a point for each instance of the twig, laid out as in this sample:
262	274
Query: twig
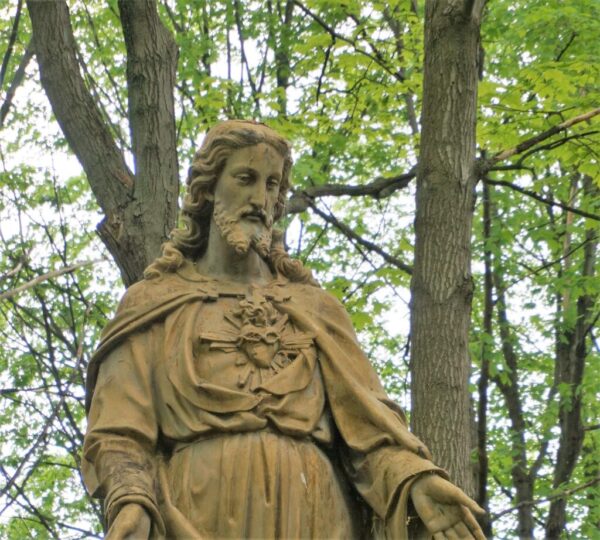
535	502
335	35
12	272
349	233
537	197
535	271
45	277
528	143
567	45
238	23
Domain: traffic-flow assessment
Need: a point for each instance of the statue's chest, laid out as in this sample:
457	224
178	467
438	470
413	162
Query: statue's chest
242	342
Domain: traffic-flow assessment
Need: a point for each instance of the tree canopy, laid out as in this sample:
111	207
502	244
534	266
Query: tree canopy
344	82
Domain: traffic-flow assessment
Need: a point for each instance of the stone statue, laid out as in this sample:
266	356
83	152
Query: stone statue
229	397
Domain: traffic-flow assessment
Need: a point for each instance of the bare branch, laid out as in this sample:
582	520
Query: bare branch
544	200
535	502
350	234
11	42
379	188
16	82
50	275
528	143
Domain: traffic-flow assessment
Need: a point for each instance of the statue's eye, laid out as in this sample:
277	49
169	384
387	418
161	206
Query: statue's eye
272	183
244	178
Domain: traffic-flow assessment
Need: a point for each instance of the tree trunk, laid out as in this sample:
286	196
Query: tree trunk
441	285
484	377
522	480
139	210
570	363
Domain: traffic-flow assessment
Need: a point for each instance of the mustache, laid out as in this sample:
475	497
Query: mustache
254	212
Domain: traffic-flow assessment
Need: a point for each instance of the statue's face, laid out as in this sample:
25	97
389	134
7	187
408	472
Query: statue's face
245	197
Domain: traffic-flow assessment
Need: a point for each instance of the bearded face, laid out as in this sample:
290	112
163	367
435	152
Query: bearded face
240	237
245	197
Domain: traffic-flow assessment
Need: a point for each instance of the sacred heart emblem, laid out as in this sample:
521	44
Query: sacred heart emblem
260	326
261	354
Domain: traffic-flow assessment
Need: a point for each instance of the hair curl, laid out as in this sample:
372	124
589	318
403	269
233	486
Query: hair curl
190	240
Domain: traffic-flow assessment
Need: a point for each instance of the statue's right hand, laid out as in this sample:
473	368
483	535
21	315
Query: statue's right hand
132	523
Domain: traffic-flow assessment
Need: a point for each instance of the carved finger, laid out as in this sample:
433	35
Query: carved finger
463	531
472	524
440	523
451	534
465	500
439	536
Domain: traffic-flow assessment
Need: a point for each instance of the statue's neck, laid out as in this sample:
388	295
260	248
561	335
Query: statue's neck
222	261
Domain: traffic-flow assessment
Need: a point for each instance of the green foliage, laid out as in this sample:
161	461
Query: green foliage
341	81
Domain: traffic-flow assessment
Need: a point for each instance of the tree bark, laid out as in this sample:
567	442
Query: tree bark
484	377
131	229
570	363
509	386
151	70
442	285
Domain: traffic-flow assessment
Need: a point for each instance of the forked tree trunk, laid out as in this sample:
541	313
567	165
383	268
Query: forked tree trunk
140	208
441	285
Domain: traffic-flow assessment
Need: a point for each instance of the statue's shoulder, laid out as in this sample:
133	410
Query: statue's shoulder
152	291
315	298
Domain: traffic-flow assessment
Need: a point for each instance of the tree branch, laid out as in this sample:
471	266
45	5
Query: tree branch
45	277
528	143
380	188
16	82
76	112
11	42
544	200
351	235
336	35
567	45
238	24
390	18
535	502
151	71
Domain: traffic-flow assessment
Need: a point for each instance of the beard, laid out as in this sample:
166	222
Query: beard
237	236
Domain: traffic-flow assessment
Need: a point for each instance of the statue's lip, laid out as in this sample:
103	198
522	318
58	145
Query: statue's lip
255	216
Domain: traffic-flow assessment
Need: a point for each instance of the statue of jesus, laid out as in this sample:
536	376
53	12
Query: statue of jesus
229	397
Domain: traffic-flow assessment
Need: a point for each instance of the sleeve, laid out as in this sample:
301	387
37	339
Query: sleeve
119	452
381	456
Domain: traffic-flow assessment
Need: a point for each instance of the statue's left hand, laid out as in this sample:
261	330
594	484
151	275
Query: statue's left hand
132	523
445	510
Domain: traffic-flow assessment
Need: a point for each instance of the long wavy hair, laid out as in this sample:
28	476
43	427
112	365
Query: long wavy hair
190	240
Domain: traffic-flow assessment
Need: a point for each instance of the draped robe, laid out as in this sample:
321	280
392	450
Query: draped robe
214	444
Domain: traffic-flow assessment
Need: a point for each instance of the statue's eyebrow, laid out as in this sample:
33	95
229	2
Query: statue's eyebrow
243	169
248	169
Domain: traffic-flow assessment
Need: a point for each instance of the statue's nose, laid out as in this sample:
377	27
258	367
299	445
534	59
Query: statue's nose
258	197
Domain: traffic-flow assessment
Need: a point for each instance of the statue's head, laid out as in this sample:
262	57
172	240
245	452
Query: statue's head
218	145
200	209
208	163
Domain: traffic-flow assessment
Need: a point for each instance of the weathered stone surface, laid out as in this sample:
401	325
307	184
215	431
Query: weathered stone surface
229	396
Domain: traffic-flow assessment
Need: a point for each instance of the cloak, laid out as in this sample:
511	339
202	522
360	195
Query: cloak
385	456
